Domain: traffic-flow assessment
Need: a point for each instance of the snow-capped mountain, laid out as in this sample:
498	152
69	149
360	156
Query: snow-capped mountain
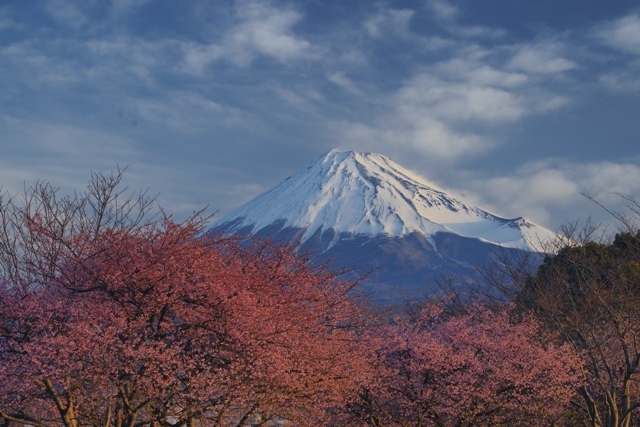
364	208
369	194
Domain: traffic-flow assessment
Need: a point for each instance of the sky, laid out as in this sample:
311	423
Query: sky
522	106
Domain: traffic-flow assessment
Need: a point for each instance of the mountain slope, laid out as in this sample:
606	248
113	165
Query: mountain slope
368	194
363	211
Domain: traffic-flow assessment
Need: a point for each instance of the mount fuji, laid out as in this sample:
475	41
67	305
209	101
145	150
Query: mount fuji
364	211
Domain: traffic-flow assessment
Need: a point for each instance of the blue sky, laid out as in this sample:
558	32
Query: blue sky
519	105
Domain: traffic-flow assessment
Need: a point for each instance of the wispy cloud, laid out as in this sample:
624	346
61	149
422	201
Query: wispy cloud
344	82
432	139
448	110
458	101
443	10
68	13
624	79
446	14
267	30
428	83
389	21
622	34
126	5
541	58
553	191
262	29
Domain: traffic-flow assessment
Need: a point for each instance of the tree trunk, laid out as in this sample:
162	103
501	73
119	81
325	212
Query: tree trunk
67	411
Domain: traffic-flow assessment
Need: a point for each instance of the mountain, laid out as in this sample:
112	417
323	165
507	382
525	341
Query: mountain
363	210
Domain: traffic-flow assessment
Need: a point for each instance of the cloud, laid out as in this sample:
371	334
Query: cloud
533	194
266	30
604	179
6	21
551	192
123	5
443	10
30	64
44	150
68	13
344	82
389	21
622	34
478	73
456	102
261	30
407	135
625	79
67	141
447	14
435	139
541	58
82	14
129	58
448	111
186	113
118	62
418	84
390	26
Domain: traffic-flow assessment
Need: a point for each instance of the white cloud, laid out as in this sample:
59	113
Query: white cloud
448	111
344	82
392	83
266	30
477	31
532	194
447	15
186	113
6	21
261	30
35	66
394	21
626	79
408	135
198	57
130	57
622	34
390	25
545	190
435	139
478	73
302	100
469	90
541	58
456	102
68	12
603	179
65	151
443	10
121	5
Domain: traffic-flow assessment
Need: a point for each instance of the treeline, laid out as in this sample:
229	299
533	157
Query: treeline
113	315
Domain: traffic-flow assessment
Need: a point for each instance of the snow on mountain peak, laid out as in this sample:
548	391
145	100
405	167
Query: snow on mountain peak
369	194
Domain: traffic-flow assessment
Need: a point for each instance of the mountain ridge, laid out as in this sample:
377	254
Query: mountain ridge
368	194
362	212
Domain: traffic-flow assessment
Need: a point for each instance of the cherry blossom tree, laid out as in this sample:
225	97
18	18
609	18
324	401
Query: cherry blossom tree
110	316
483	367
589	294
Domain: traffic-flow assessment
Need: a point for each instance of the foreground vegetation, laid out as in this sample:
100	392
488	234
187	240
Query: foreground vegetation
113	316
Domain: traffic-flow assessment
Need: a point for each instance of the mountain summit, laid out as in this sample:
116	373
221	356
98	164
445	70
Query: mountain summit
363	209
368	194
